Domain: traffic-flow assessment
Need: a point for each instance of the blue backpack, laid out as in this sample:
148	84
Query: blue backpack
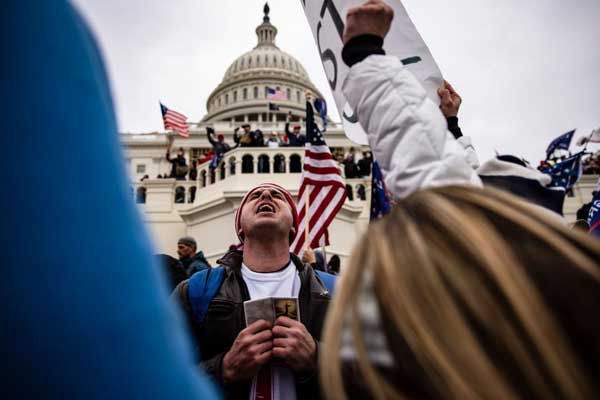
204	285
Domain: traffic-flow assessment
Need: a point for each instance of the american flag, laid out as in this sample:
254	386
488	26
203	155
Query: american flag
174	121
275	94
322	179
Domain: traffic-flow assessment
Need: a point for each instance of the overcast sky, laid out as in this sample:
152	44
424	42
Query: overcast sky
528	71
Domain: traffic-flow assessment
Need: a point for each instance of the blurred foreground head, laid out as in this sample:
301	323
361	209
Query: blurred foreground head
465	293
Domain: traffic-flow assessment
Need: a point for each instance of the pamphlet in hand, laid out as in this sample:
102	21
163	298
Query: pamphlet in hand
271	308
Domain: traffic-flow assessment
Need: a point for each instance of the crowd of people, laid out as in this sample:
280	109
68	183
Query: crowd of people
472	287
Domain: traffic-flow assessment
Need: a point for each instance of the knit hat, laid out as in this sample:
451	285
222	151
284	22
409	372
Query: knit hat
188	241
288	197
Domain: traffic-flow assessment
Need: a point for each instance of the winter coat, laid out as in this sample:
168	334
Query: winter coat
225	320
407	132
195	263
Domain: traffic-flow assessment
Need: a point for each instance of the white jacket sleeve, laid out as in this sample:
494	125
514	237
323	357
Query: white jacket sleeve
471	154
406	131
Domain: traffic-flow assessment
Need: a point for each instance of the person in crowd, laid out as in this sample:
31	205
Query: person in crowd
591	164
179	167
450	102
193	175
85	314
284	141
333	266
172	268
350	167
273	140
364	165
159	176
144	178
258	138
192	260
295	138
314	258
280	358
485	295
246	138
219	145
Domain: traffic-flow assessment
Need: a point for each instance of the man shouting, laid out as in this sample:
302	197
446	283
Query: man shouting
261	360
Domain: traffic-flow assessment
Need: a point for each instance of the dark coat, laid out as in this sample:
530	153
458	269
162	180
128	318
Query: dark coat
194	264
225	320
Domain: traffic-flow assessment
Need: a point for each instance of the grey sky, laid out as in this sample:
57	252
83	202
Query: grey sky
527	70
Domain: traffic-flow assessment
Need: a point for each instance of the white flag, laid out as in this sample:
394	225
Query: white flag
327	20
595	137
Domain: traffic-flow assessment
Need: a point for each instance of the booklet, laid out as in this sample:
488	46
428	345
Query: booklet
271	308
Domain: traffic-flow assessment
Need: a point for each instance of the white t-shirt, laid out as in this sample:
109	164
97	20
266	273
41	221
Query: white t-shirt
284	283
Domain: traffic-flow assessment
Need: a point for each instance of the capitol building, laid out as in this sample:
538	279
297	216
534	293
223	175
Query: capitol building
204	208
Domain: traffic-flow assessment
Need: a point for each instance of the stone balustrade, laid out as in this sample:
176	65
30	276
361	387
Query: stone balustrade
250	164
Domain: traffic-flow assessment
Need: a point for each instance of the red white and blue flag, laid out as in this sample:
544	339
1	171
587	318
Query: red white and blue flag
322	183
275	94
174	121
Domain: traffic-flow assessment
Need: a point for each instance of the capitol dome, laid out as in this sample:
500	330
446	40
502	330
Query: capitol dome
241	95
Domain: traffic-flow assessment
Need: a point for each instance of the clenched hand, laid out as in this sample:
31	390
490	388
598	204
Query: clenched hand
250	350
294	345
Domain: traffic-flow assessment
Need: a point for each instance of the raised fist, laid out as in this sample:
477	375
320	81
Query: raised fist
373	17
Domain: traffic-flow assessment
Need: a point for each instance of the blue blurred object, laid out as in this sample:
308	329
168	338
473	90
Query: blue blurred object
380	201
85	312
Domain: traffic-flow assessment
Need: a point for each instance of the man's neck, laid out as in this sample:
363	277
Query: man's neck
266	255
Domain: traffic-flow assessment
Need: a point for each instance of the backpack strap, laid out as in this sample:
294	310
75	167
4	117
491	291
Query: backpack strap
328	280
202	287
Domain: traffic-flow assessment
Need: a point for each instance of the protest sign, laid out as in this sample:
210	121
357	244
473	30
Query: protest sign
327	21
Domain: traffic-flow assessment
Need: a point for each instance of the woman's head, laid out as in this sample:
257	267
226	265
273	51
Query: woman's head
480	296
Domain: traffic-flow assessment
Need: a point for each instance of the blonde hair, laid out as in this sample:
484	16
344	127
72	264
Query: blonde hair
451	268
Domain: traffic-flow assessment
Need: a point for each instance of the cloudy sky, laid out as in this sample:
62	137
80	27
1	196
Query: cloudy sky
527	70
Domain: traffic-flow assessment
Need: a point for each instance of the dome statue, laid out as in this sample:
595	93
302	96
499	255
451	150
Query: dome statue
242	94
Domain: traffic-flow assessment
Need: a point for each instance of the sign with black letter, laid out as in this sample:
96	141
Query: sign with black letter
327	19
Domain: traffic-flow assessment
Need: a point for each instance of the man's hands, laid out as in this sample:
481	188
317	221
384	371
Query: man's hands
372	17
294	345
288	340
251	350
308	256
450	100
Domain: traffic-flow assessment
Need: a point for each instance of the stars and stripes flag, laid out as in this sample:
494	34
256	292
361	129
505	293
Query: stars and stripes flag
174	121
275	94
322	184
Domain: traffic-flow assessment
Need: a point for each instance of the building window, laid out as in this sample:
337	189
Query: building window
140	195
141	168
219	102
249	62
234	96
227	99
298	96
288	94
255	92
245	94
266	92
295	164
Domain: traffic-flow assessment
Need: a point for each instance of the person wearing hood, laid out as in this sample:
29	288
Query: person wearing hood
191	260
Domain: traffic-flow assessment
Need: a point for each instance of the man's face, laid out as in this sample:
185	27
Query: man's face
184	251
296	130
266	214
247	129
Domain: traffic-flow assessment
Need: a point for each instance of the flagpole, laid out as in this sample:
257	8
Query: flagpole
588	140
306	216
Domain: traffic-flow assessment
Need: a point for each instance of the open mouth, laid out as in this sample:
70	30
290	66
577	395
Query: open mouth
265	208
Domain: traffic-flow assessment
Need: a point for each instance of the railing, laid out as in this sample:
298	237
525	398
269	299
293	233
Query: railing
282	161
